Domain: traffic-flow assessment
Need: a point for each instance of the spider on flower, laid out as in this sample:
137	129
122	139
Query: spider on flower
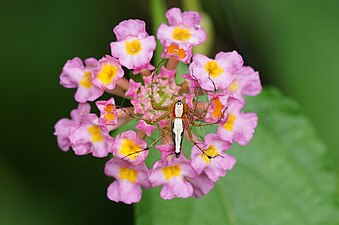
180	116
212	94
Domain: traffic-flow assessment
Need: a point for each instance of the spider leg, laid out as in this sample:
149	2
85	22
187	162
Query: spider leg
202	124
159	138
193	111
148	121
190	136
164	116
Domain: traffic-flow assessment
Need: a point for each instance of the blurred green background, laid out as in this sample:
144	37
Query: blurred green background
294	45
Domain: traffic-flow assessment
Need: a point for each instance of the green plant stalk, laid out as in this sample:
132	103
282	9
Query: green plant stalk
206	23
158	10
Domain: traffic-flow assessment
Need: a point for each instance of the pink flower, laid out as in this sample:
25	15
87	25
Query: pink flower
189	99
246	82
134	47
143	126
181	35
172	176
108	113
130	148
75	75
166	150
64	126
216	166
218	106
133	88
215	73
129	180
201	185
211	94
108	73
238	126
90	137
167	74
193	82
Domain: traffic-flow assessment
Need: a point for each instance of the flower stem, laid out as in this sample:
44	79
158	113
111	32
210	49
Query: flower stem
158	10
191	5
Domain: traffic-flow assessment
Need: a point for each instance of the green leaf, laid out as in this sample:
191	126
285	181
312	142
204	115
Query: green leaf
281	177
292	48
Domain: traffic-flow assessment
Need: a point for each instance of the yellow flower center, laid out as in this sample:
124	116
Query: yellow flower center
234	86
175	50
181	34
129	149
95	132
211	151
109	110
107	73
171	171
217	108
128	174
229	125
213	69
86	80
133	47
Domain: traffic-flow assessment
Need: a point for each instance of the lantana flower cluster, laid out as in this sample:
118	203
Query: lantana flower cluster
212	94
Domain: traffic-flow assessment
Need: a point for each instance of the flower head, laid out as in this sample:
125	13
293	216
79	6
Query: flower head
164	112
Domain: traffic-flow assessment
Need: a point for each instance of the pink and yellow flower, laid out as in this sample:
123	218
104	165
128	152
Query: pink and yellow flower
173	175
64	125
238	126
213	161
215	73
218	105
181	35
76	75
134	48
129	180
108	113
129	147
108	73
90	137
246	82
